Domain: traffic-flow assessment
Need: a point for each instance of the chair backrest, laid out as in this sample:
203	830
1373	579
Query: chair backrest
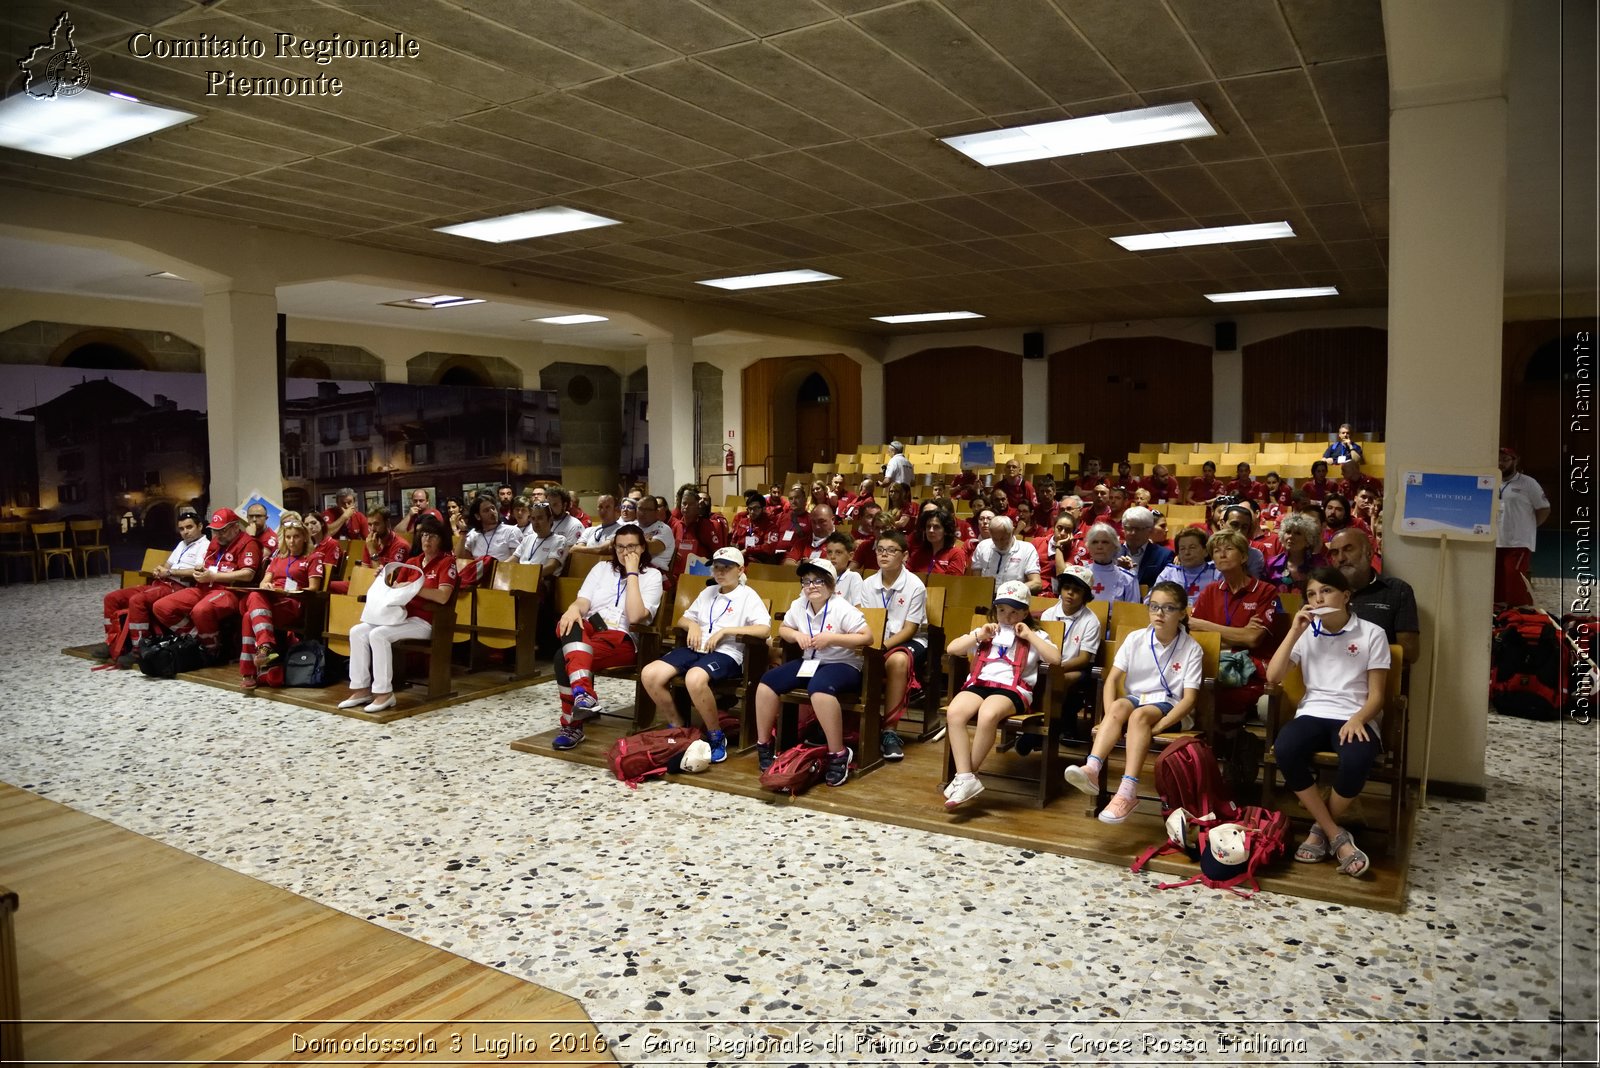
770	573
344	612
580	564
877	619
1101	610
57	532
361	580
1127	616
964	594
935	603
684	600
153	558
86	532
494	618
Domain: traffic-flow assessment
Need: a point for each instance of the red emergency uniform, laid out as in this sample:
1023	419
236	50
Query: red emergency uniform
204	608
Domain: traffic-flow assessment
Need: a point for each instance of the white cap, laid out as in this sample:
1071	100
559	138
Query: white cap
697	756
728	555
1081	575
825	567
1013	593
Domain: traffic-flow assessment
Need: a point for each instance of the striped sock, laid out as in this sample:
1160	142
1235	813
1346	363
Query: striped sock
1130	785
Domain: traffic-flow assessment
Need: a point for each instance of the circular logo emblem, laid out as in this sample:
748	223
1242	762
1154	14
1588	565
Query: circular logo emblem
69	71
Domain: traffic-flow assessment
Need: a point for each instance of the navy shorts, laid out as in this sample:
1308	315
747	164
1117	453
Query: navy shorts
718	665
831	678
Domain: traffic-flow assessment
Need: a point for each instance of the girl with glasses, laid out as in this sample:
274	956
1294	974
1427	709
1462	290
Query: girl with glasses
1161	669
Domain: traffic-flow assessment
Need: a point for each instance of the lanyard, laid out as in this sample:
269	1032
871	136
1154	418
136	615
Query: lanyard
1072	625
1160	671
715	615
824	623
1227	602
1194	579
1316	628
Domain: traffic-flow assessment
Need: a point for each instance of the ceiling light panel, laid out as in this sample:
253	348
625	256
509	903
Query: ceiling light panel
1273	294
772	278
927	317
70	127
1074	137
571	320
527	224
1212	235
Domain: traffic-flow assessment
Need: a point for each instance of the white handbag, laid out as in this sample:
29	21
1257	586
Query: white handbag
386	604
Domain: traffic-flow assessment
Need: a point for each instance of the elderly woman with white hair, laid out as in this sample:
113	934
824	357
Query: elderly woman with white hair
1302	553
1005	557
1111	582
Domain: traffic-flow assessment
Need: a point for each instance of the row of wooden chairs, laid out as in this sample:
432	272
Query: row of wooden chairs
70	542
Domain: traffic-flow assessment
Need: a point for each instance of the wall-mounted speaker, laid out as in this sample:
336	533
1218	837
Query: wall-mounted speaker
1033	345
1227	336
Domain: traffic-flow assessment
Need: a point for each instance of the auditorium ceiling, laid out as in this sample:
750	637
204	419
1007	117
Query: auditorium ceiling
740	136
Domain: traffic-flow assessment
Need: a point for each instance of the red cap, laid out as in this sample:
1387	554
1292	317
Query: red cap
222	517
1507	450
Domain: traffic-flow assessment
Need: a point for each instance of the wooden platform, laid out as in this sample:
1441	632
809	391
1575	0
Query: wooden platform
409	701
909	795
197	964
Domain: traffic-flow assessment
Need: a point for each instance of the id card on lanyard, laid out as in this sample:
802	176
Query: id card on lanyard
808	667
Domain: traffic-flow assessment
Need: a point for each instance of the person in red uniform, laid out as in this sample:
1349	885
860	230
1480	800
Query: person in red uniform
938	550
1117	502
1317	487
1162	486
965	485
1207	487
329	549
811	547
344	519
419	508
697	534
381	546
124	632
1091	478
1000	503
1057	547
760	533
1247	615
372	646
1125	478
1044	512
255	519
233	562
1354	481
275	606
1017	488
1245	485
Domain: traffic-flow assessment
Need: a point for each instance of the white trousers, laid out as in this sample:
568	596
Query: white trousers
372	652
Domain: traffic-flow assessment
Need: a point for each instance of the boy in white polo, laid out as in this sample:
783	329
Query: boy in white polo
904	599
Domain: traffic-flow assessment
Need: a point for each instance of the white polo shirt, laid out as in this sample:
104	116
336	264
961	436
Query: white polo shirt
1079	634
501	543
1015	563
715	610
836	616
1520	498
659	531
606	588
549	551
1160	674
1335	665
904	602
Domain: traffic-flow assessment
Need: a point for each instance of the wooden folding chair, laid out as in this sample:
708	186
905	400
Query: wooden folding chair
647	646
88	540
153	558
867	706
14	548
50	543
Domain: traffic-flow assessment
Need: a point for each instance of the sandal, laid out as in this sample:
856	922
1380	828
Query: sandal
1314	848
1355	862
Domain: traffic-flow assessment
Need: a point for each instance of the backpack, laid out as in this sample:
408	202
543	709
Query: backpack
1229	851
310	663
1188	777
796	770
1528	667
169	656
633	758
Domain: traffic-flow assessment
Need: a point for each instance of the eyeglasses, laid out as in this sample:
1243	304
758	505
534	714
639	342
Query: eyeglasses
890	550
812	583
1164	609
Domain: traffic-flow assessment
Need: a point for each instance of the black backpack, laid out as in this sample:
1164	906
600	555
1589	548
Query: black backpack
169	656
309	663
1527	667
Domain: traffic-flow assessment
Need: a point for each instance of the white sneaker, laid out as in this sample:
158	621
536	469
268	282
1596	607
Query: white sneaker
1082	778
962	791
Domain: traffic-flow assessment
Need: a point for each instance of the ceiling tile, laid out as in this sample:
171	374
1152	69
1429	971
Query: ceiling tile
945	48
1355	96
1136	196
1141	40
807	169
586	158
1253	184
1193	190
1283	113
661	109
764	18
1034	212
1315	177
705	184
698	84
686	27
1369	169
975	212
1082	203
575	29
1240	36
466	33
1339	222
848	55
573	113
776	184
761	66
865	161
1038	41
1342	30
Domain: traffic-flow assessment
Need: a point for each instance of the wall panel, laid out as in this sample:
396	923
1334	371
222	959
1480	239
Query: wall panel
1113	393
968	390
1310	381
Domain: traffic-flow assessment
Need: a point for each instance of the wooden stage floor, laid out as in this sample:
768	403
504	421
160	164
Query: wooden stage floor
192	963
908	794
409	701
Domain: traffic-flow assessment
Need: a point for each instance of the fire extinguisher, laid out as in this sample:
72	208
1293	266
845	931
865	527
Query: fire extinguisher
727	459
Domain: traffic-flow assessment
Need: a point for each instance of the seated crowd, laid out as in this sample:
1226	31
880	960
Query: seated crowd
1076	541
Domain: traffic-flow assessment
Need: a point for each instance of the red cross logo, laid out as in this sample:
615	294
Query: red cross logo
1099	588
828	627
899	600
1352	648
1176	666
1194	587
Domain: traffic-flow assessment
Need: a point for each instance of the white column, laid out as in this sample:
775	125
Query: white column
1035	400
241	357
669	368
1447	174
1227	396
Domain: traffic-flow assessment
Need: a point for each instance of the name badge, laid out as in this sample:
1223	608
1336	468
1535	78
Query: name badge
808	668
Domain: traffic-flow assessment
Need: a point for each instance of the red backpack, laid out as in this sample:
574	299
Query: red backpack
796	770
633	758
1253	839
1189	777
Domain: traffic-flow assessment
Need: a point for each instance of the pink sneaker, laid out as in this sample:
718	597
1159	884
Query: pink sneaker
1119	808
1083	777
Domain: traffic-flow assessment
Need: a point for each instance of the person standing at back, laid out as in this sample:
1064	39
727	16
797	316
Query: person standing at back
1523	506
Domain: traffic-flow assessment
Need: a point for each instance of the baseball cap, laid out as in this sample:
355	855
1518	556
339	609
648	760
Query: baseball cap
820	567
1082	576
1507	450
728	555
896	446
1014	594
222	517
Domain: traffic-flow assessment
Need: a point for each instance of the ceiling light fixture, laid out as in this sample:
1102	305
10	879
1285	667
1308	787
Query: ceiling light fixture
1073	137
1211	235
772	278
1273	294
69	127
541	222
927	317
167	274
442	300
571	320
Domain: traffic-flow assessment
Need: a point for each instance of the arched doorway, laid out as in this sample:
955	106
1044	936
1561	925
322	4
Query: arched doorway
102	350
460	375
815	437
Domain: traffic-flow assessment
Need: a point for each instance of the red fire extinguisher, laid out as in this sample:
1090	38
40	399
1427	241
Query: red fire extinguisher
727	459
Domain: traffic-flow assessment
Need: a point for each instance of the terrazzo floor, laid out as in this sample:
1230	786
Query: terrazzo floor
699	927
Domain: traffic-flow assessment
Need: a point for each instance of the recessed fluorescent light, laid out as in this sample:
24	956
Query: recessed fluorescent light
442	300
570	320
1211	235
1072	137
167	274
927	317
525	224
1274	294
773	278
68	127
